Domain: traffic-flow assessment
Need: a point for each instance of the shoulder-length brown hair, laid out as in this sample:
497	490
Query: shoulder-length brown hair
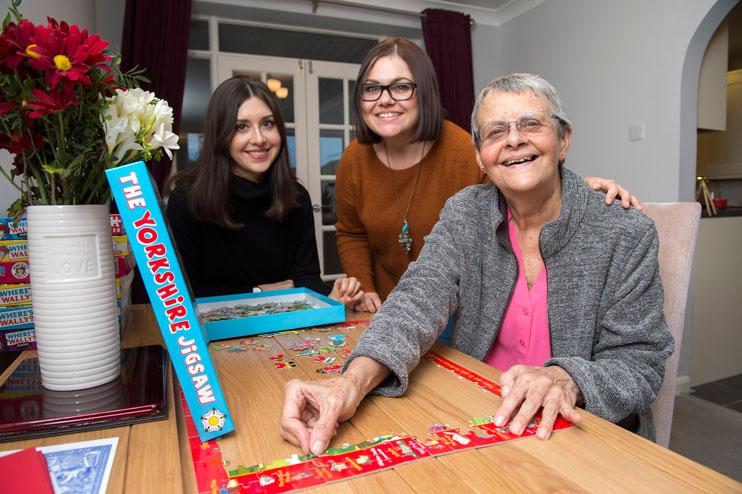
209	180
430	111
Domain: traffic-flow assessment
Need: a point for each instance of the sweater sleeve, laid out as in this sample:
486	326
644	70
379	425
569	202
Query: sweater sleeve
416	312
305	270
185	230
352	239
633	341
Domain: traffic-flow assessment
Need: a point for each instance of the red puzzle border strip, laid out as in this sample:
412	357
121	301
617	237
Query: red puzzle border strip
480	381
208	465
388	452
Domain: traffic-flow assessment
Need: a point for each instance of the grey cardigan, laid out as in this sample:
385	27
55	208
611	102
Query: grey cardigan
605	297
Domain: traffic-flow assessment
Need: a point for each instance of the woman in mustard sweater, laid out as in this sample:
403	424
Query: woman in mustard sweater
406	161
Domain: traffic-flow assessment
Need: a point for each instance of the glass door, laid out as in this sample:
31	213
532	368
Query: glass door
285	77
330	87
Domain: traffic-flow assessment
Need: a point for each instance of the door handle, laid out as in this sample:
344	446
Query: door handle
316	207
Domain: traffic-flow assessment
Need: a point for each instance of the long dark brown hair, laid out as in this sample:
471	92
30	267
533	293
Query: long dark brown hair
430	110
208	181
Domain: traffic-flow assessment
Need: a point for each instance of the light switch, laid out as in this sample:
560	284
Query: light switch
636	131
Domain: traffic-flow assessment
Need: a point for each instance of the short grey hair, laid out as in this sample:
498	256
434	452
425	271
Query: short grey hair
519	83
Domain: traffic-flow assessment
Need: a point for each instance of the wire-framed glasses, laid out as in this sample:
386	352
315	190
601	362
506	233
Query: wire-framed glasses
399	91
531	123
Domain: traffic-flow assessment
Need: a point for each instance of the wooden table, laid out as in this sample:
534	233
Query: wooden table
595	457
147	456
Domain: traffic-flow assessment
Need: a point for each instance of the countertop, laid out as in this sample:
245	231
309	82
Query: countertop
727	212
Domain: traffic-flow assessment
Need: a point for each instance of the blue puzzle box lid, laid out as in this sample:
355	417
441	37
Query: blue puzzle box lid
246	314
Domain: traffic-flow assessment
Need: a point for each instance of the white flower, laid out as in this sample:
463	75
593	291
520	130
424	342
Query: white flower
137	123
165	139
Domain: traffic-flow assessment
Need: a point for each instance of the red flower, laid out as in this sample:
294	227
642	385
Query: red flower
15	43
67	53
57	100
6	107
19	143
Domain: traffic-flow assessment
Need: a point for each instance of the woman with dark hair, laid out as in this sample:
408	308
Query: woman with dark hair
406	161
240	219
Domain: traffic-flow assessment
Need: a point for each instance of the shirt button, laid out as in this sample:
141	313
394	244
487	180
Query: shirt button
525	312
522	343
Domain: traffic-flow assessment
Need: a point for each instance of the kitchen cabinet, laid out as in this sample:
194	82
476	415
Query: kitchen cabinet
720	153
712	101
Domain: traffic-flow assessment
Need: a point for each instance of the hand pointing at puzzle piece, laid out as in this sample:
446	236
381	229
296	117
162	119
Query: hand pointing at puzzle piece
312	410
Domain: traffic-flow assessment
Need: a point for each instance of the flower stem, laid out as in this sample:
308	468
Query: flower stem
12	182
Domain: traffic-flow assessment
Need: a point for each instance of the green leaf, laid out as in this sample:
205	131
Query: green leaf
17	209
52	170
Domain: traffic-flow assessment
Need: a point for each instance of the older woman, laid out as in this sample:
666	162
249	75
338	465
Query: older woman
542	281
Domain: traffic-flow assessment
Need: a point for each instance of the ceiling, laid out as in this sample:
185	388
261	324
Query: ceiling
400	13
486	4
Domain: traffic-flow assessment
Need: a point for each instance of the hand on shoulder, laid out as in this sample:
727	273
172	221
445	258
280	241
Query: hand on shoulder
612	191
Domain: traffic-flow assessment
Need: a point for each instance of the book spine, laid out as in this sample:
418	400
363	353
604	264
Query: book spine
16	294
172	303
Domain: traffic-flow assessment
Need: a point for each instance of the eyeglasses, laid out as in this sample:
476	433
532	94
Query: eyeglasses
399	91
532	123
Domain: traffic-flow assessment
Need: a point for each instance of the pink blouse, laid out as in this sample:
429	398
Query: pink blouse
524	336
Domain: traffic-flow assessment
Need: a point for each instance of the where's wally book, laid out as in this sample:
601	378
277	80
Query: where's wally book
172	303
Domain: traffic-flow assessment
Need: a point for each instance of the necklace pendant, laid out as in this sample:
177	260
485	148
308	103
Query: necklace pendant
405	239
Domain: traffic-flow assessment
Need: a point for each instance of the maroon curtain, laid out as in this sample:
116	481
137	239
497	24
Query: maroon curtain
448	43
155	38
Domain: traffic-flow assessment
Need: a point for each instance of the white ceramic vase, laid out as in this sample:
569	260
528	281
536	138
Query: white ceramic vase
73	295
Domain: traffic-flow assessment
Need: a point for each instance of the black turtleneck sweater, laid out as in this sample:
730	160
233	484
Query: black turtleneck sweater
220	261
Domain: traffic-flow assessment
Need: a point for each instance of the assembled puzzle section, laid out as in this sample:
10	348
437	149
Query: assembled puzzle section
172	303
324	350
232	316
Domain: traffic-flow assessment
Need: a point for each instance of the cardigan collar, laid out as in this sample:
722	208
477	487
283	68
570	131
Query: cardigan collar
556	234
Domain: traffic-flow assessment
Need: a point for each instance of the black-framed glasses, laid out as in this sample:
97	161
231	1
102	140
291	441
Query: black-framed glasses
530	123
399	91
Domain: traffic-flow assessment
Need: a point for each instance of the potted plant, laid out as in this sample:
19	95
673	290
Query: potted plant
68	113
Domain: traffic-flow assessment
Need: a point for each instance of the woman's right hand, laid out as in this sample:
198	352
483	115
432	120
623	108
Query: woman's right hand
370	302
313	410
279	285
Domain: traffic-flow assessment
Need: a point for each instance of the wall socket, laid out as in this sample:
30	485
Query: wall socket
636	131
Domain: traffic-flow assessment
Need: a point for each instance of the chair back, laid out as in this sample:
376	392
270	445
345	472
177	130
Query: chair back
677	226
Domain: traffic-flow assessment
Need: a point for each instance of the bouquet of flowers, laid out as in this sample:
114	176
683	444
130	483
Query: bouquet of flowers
67	112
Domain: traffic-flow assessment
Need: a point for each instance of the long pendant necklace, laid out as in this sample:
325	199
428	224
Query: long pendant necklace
405	237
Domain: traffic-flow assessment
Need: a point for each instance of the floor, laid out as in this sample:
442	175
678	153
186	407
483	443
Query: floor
725	392
707	426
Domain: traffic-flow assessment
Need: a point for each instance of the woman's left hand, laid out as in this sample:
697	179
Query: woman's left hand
346	290
612	191
531	388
